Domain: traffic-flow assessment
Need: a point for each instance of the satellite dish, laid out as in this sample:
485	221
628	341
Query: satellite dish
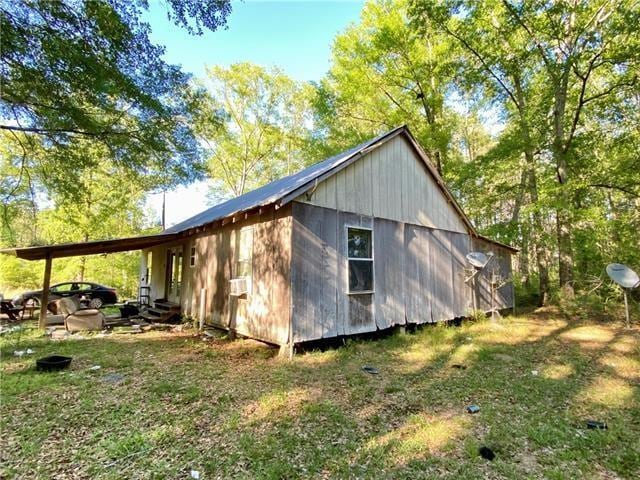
477	259
623	275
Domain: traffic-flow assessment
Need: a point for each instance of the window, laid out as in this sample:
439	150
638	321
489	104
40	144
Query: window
360	258
63	287
192	257
244	267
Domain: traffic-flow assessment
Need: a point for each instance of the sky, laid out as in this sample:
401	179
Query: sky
295	36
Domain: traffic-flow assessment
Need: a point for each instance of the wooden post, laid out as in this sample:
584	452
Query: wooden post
42	321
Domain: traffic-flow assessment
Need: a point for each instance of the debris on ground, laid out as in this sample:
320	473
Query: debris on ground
534	373
371	370
59	334
458	366
4	329
486	453
473	409
596	425
95	367
113	378
20	353
195	474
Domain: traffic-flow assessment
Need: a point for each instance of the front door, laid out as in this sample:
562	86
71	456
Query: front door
174	274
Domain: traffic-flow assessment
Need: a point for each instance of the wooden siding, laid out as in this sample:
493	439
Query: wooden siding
501	265
419	275
264	313
390	182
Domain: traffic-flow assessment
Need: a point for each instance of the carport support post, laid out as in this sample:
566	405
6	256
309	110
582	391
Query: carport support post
42	321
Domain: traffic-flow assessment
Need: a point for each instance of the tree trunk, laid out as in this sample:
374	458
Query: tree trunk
565	251
563	211
83	260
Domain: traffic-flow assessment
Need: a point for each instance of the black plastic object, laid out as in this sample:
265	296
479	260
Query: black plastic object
486	453
370	369
473	409
595	425
53	363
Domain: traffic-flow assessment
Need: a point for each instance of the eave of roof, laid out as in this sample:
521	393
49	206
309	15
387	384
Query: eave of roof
90	248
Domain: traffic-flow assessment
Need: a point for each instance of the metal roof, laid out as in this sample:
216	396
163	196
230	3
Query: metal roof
277	190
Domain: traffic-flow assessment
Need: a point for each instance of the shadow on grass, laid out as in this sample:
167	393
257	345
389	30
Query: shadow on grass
230	409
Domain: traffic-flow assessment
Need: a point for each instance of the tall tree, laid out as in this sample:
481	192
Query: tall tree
86	70
383	75
255	123
550	61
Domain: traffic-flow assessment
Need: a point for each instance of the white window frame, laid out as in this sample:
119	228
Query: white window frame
371	259
240	259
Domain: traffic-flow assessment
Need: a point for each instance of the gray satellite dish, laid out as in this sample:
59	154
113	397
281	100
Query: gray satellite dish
626	278
623	275
477	259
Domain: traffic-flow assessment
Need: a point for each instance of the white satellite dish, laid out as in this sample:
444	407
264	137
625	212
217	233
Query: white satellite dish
623	275
478	259
626	278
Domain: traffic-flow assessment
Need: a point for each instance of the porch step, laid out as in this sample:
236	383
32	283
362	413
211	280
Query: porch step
161	312
166	306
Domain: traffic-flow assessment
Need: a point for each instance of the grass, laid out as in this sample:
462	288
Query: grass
235	410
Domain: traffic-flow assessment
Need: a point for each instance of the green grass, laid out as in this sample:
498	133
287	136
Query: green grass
235	410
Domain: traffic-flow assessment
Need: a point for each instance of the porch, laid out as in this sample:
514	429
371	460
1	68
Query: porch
164	285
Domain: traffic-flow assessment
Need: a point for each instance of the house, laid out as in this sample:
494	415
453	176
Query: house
363	241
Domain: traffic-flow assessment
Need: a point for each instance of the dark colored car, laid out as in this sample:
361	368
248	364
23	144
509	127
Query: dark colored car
97	295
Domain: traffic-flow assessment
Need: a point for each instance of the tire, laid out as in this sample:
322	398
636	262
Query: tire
96	302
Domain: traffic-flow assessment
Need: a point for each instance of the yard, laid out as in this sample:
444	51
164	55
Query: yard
235	410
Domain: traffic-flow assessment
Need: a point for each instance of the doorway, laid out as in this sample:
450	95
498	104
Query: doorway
173	283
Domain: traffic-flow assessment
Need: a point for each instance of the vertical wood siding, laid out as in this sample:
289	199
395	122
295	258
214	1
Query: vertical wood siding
390	182
418	275
262	314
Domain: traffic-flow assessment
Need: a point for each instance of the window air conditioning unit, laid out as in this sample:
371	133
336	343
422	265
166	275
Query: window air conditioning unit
239	286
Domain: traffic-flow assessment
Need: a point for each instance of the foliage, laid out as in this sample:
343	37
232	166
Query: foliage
264	129
557	72
383	75
86	71
91	118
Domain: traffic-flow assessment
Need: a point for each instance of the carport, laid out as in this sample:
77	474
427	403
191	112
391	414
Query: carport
96	247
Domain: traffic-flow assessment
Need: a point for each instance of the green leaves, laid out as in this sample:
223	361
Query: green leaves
256	125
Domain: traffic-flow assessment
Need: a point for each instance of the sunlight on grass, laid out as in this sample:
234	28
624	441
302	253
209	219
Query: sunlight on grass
626	344
624	366
463	354
319	358
274	405
609	392
558	371
517	330
590	336
417	357
232	409
422	435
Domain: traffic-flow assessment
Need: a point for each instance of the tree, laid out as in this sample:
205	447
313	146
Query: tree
86	71
548	61
383	75
255	123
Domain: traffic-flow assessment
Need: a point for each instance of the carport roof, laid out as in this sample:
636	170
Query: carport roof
91	247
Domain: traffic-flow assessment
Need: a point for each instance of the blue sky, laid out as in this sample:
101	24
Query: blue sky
293	35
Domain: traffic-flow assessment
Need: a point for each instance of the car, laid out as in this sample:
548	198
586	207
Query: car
97	295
